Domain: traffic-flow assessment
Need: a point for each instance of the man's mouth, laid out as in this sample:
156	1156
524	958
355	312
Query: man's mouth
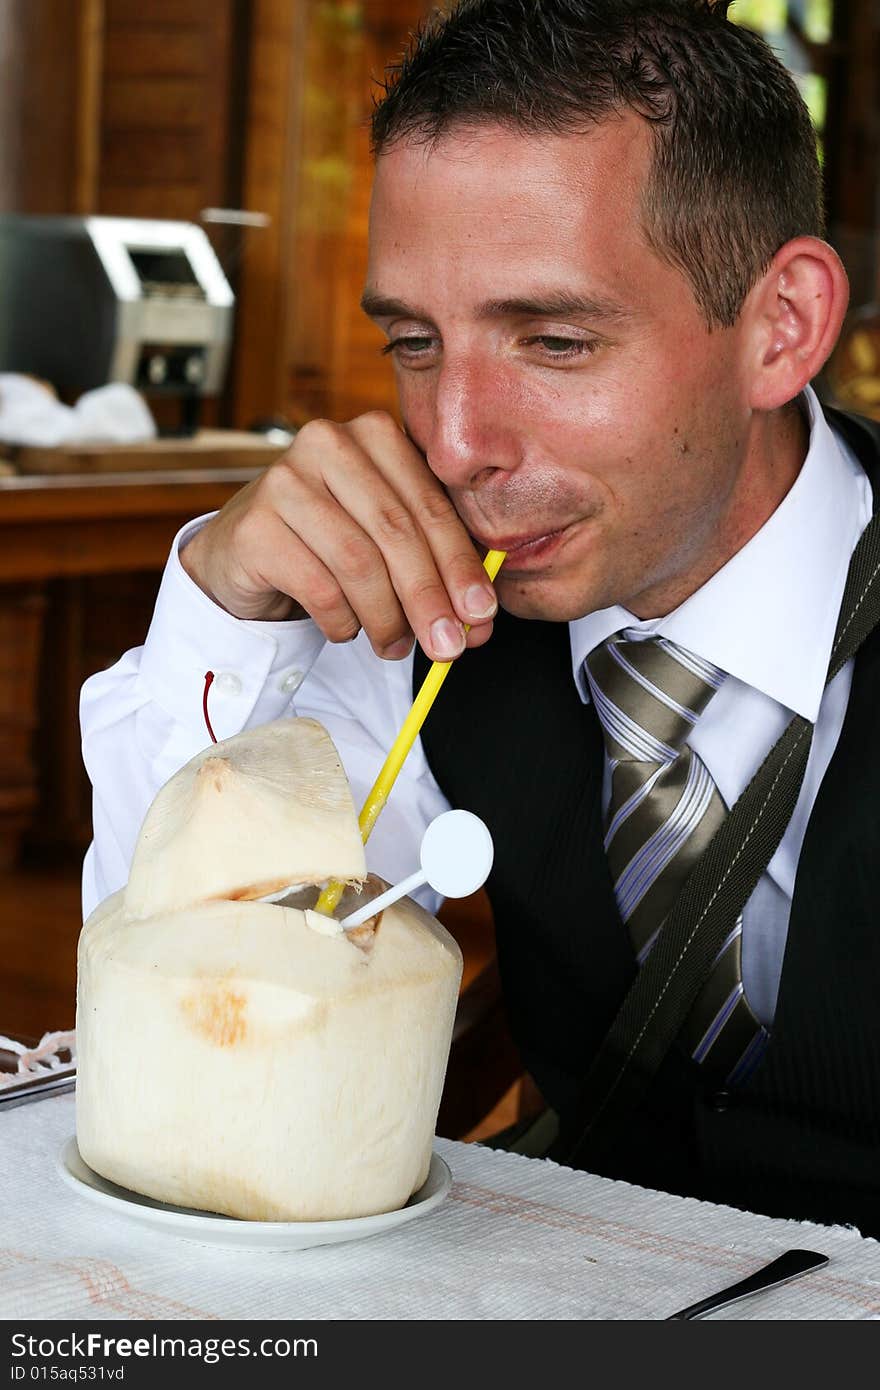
524	549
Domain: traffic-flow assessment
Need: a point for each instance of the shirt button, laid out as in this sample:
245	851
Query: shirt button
721	1101
290	683
227	683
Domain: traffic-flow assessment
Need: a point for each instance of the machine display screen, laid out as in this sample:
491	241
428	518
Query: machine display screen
166	272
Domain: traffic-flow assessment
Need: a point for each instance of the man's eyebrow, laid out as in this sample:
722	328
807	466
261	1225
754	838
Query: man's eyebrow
549	304
555	304
381	306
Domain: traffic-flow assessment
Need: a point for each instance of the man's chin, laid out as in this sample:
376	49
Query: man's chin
538	599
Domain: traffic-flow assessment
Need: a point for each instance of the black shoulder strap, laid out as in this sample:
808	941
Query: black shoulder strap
713	896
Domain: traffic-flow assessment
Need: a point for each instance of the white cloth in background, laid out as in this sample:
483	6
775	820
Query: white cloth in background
31	415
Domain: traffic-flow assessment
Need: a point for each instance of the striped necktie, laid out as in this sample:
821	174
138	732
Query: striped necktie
664	810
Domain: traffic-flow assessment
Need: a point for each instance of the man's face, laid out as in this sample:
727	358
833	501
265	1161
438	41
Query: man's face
556	373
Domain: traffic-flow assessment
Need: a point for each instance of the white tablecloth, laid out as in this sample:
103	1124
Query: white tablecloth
515	1238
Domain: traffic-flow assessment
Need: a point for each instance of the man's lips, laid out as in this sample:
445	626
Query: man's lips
522	544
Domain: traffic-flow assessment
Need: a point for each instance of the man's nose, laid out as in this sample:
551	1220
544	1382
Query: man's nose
470	431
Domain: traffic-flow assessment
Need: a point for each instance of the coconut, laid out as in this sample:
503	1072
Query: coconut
253	1058
245	818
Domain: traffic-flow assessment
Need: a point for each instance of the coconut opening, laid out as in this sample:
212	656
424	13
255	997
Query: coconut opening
355	895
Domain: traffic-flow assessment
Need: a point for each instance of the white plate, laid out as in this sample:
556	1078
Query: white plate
208	1229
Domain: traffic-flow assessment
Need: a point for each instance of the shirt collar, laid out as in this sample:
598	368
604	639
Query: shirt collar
768	616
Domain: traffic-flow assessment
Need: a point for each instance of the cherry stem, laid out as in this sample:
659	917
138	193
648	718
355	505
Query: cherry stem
209	681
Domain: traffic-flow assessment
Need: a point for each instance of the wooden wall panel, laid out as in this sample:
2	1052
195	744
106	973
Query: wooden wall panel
153	104
172	86
165	104
360	378
334	86
39	44
164	13
304	348
151	157
136	51
269	184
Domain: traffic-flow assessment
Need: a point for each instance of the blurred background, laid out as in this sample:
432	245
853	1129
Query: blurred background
229	136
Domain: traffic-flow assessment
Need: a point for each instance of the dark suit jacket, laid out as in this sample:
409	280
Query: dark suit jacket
511	741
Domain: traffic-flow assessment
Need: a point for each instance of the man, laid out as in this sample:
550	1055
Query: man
595	252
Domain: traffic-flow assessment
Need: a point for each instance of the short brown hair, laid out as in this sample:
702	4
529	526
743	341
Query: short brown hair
735	172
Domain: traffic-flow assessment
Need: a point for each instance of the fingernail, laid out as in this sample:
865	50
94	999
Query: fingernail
447	639
398	649
480	601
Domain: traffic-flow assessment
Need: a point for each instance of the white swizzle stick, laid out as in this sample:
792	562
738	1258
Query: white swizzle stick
456	857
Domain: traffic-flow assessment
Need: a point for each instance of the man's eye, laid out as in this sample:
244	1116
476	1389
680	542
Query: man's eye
558	347
413	345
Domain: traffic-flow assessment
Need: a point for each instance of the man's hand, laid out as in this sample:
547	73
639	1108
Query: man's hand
351	527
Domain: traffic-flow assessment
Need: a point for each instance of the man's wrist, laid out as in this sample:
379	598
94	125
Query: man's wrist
271	607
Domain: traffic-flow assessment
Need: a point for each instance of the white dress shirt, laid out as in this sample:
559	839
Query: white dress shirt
767	618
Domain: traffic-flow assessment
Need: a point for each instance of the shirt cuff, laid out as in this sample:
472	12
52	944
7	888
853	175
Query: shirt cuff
258	666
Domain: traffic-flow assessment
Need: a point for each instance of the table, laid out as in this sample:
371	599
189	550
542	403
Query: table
71	524
516	1238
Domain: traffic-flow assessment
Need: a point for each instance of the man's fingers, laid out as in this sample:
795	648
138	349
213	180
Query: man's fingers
464	578
404	558
384	513
354	528
423	502
290	566
350	557
479	634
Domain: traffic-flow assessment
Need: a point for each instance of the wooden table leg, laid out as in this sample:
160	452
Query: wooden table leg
22	609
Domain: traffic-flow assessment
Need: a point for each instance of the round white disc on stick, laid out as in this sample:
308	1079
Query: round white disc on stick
457	853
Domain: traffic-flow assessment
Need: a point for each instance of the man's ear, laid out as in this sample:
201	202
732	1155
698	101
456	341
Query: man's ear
794	316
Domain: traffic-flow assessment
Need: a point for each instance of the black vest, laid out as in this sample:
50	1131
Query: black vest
509	739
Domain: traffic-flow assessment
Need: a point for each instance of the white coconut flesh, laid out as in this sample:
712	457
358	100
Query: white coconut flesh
252	1058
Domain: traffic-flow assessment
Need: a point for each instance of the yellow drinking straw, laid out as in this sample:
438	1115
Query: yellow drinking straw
401	746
